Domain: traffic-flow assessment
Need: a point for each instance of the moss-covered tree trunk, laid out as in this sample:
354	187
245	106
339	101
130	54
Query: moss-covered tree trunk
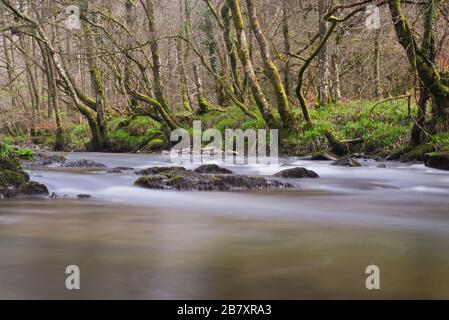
283	103
203	106
243	49
231	49
53	99
420	59
96	80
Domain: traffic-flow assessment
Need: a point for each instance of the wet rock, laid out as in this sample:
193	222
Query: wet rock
323	156
14	182
120	169
437	160
158	170
44	160
212	169
382	166
297	173
193	181
33	189
347	162
417	153
84	196
82	164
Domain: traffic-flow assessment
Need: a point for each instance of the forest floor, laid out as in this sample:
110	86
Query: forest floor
381	129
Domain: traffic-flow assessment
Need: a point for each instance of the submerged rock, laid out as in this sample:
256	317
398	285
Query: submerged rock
297	173
437	160
158	170
120	169
82	164
184	180
347	162
212	169
84	196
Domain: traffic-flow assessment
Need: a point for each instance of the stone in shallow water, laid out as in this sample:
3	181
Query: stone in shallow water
120	169
212	169
437	160
14	182
84	196
82	164
193	181
347	162
297	173
158	170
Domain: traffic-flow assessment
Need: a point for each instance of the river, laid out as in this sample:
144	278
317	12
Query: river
314	241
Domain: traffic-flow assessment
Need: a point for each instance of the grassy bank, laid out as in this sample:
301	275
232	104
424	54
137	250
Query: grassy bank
381	129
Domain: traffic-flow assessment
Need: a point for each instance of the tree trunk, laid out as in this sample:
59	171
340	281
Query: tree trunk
420	60
275	78
376	69
231	49
323	95
287	47
242	47
203	106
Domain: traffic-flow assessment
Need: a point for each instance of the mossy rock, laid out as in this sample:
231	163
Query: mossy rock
417	153
192	181
10	164
33	189
9	178
159	170
155	145
212	169
347	162
437	160
297	173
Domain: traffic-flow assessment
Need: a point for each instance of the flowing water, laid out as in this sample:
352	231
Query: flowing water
311	242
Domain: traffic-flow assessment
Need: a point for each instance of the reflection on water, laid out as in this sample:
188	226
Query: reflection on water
314	242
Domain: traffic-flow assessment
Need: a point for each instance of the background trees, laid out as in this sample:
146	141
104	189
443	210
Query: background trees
170	60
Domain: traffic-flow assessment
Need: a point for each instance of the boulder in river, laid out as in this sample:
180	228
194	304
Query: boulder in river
192	181
84	196
347	162
297	173
120	169
437	160
14	182
212	169
158	170
82	164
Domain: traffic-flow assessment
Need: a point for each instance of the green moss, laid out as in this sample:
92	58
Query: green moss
9	178
417	153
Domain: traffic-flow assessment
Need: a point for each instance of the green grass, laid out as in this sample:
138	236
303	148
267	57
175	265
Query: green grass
441	141
384	129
